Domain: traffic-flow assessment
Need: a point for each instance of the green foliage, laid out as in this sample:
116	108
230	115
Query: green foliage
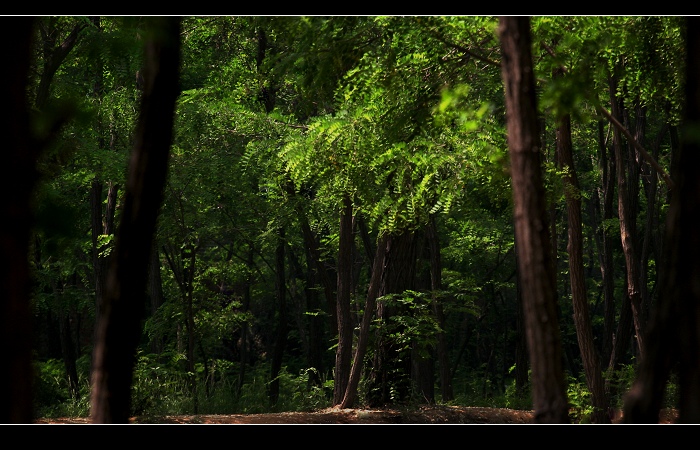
414	324
52	396
403	114
580	407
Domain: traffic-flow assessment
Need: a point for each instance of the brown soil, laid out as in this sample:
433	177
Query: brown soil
422	415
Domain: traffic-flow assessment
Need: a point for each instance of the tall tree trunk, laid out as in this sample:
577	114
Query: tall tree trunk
521	358
579	298
281	332
674	332
245	328
605	247
389	379
19	176
343	355
535	262
626	213
102	224
364	336
189	258
119	326
436	285
311	242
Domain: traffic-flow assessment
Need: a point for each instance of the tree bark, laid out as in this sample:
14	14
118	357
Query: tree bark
579	298
605	248
436	285
281	332
119	326
535	262
363	338
628	229
19	176
674	331
343	356
389	371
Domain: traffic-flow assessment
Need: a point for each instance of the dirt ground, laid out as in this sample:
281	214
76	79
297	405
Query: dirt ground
423	415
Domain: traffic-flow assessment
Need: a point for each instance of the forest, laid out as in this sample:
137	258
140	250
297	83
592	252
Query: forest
251	214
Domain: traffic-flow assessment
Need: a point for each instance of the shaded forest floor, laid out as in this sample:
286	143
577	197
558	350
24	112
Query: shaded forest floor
421	415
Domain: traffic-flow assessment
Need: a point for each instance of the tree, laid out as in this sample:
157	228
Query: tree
582	320
532	234
674	332
19	177
119	326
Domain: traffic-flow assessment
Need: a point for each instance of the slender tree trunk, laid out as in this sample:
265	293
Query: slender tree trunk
311	243
521	352
119	326
674	332
436	286
532	234
245	328
626	213
281	333
189	258
605	248
155	294
582	321
343	356
102	224
364	336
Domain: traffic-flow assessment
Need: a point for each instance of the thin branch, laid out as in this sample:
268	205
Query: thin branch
650	159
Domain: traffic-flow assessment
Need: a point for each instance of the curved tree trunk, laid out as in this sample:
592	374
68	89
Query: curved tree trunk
535	262
363	338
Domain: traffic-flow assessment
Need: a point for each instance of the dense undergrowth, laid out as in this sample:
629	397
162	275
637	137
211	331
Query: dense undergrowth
161	388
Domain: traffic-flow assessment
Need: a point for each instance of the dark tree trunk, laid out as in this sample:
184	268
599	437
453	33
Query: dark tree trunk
605	248
521	358
317	331
102	224
189	258
19	176
119	326
364	336
343	356
626	201
582	321
674	332
322	273
69	354
281	332
535	262
245	328
391	370
436	286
